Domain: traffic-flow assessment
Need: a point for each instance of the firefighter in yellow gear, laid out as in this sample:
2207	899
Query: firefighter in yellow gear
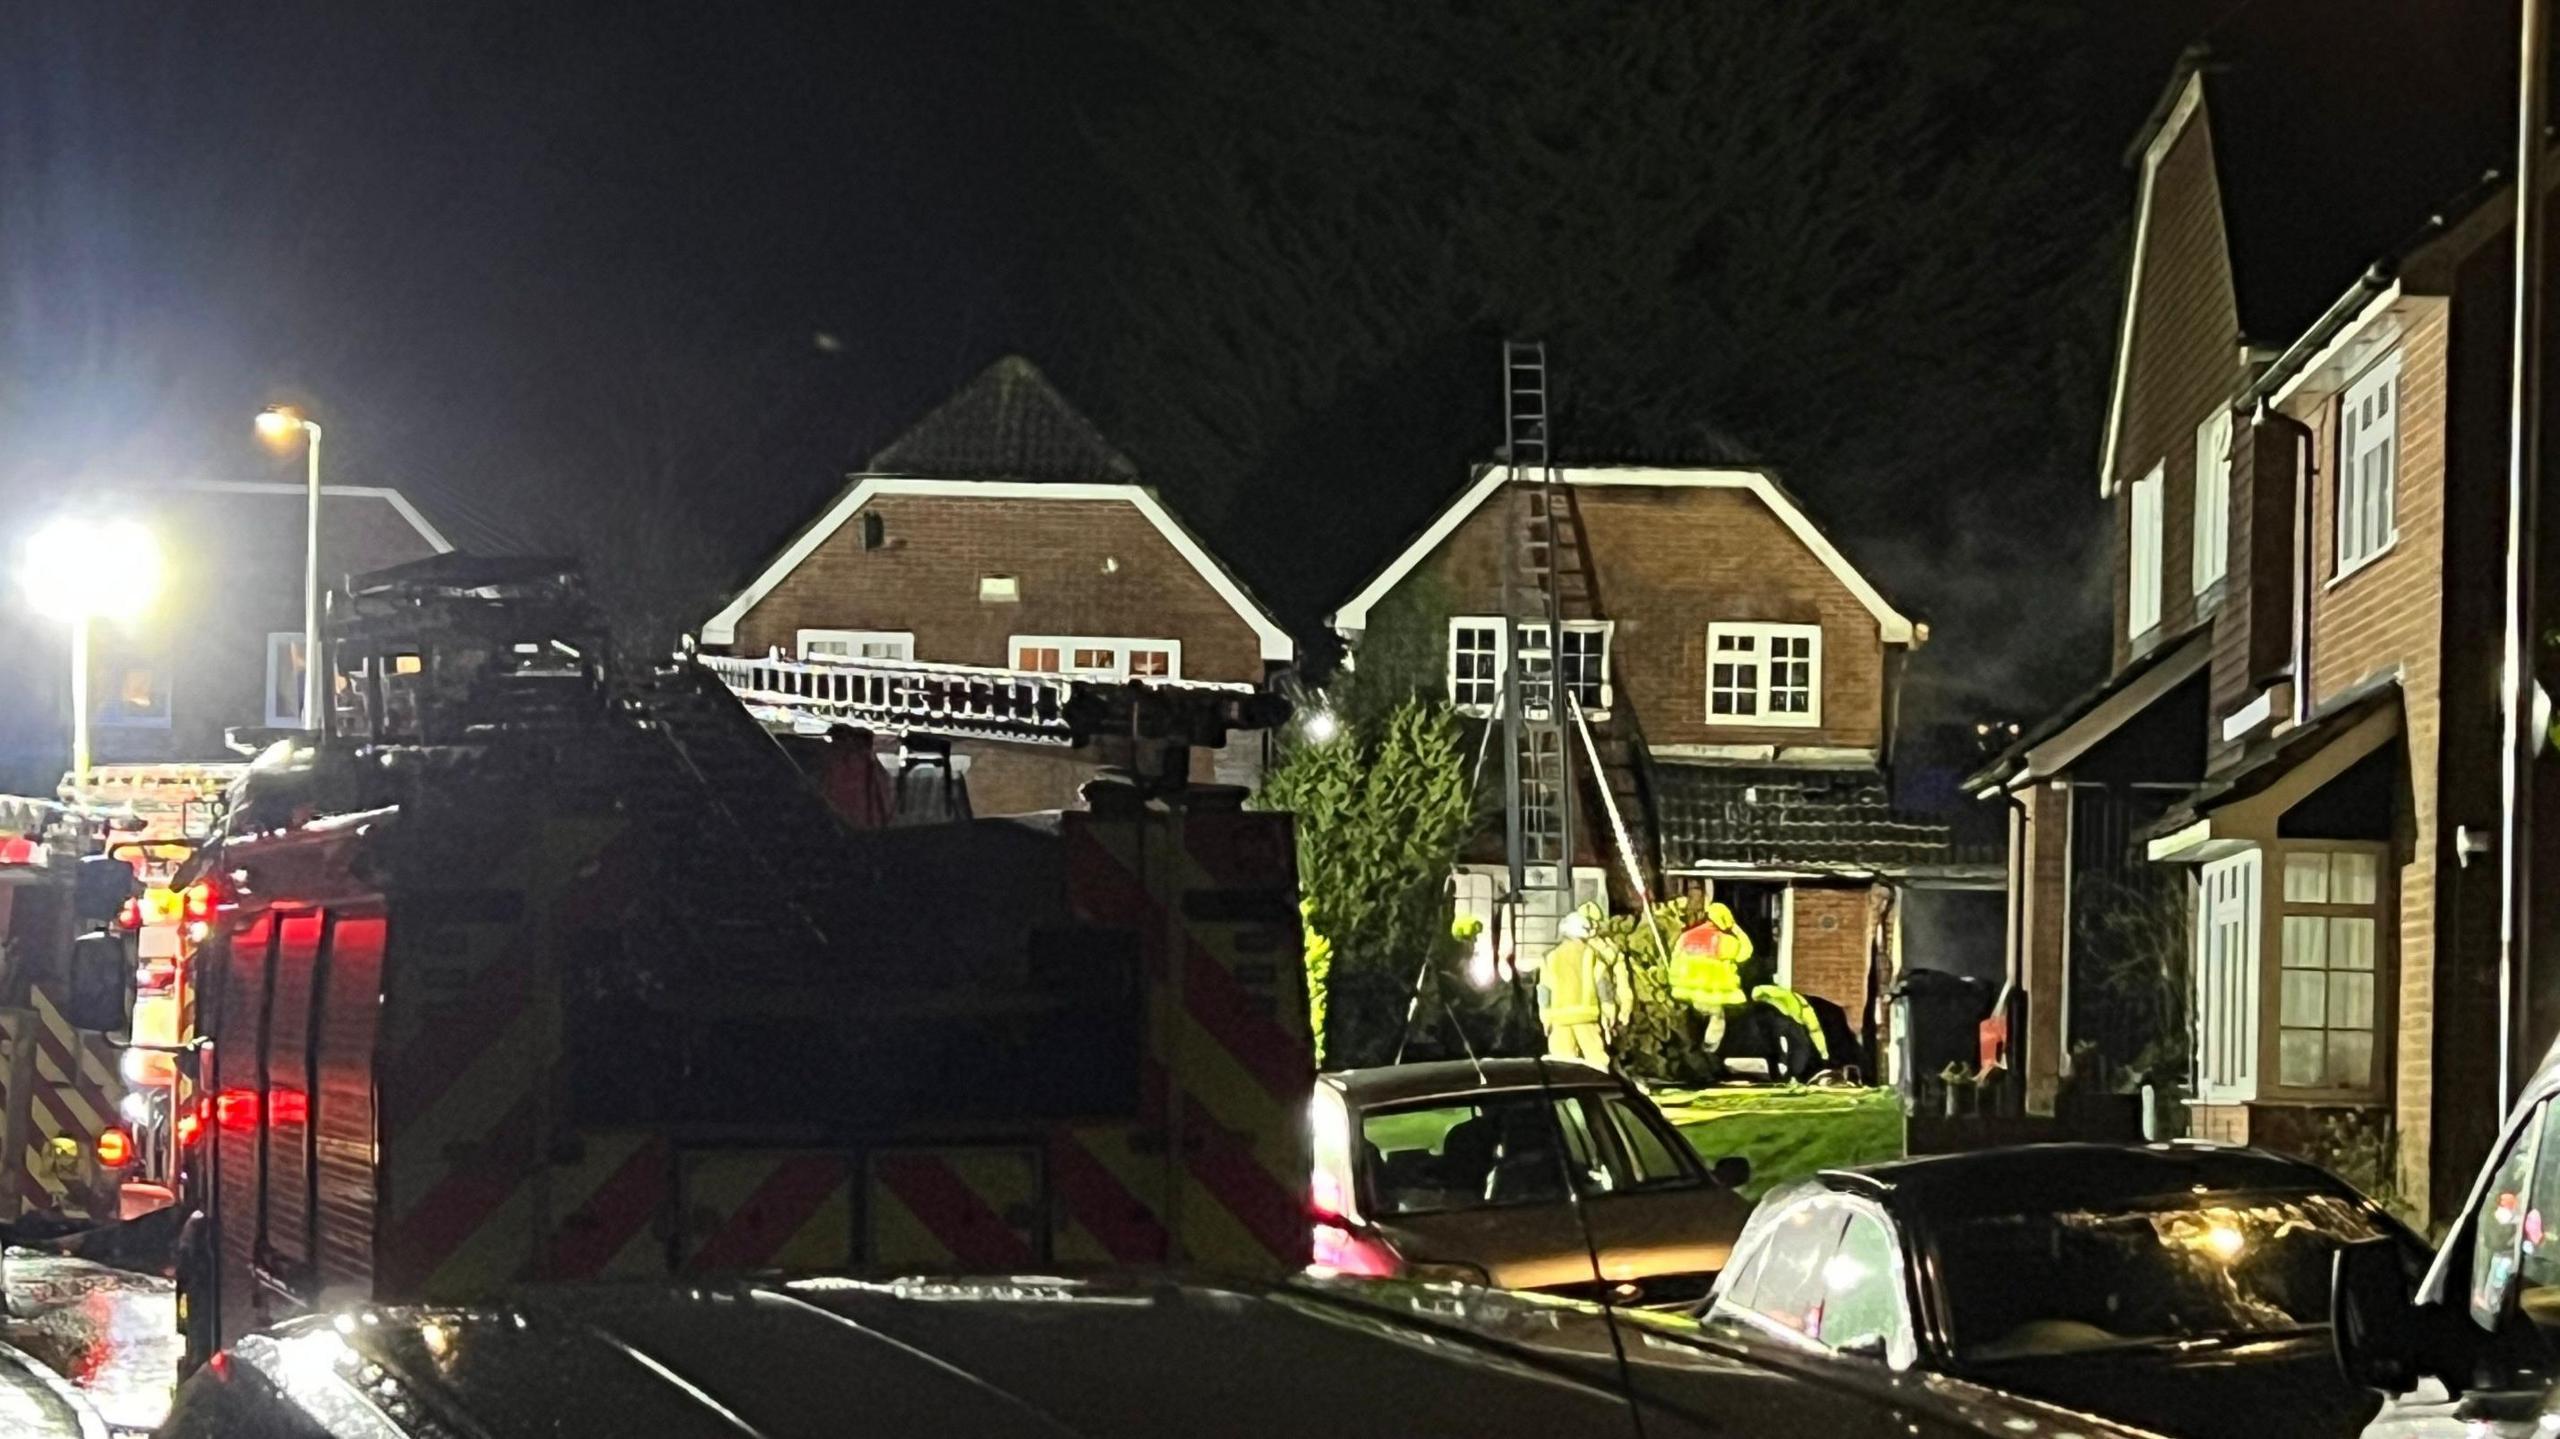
1706	971
1794	1008
1584	977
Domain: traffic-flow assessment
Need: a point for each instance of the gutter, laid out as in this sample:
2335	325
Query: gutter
2377	278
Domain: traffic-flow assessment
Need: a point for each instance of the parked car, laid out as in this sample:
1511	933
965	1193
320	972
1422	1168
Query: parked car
2468	1350
2176	1287
1131	1356
1456	1170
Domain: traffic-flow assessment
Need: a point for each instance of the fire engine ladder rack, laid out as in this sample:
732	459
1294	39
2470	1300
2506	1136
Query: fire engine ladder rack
1029	707
1540	559
757	891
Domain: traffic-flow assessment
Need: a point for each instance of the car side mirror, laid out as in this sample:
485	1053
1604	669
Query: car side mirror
101	989
2379	1332
1733	1171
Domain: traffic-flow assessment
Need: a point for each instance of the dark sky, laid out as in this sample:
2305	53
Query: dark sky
460	230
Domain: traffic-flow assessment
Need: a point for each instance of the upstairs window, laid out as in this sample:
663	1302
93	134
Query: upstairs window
284	679
857	644
2368	463
130	688
2213	500
2142	576
1478	653
1764	674
1095	657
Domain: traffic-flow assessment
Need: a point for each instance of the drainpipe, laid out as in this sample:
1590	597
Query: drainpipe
2304	560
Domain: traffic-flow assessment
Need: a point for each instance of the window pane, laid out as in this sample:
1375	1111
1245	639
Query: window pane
2306	877
2499	1225
2305	941
1157	663
2355	877
1646	1149
2302	1057
2350	943
1791	1289
2350	1058
2350	1001
2305	998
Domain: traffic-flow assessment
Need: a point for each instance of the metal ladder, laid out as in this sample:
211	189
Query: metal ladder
1537	761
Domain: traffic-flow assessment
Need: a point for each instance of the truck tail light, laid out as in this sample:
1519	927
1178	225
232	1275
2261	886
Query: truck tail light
115	1149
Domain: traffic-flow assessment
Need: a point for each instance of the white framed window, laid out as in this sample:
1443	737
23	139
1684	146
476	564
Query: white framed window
857	644
2226	980
2213	500
2142	574
129	689
2368	465
284	679
1478	652
1097	657
2328	996
1764	674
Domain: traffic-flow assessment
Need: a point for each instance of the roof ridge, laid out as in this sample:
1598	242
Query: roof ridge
1007	422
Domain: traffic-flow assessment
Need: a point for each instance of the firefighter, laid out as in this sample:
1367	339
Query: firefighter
1583	976
1802	1049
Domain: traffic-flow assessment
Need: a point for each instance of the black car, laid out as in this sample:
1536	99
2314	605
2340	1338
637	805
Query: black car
1053	1358
2178	1287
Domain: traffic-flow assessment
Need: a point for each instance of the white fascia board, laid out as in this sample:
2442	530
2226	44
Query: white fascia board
2249	716
1353	616
2188	99
1276	645
389	496
2356	333
2057	752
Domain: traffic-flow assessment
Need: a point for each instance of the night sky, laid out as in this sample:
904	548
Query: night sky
575	276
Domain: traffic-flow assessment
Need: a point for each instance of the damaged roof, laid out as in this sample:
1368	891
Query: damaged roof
1719	816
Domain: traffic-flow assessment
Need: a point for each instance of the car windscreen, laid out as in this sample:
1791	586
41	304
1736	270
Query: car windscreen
2186	1268
1487	1151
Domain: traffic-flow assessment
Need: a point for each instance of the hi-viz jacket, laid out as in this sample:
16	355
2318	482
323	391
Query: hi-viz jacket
1706	962
1794	1006
1574	975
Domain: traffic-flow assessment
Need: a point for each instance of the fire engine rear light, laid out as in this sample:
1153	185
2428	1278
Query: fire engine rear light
191	1127
201	900
236	1109
115	1149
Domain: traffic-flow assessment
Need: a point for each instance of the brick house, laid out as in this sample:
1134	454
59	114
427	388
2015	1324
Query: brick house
221	648
2304	466
1003	530
1739	674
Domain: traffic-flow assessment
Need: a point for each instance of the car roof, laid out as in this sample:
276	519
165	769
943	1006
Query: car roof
2046	1177
1394	1083
1019	1355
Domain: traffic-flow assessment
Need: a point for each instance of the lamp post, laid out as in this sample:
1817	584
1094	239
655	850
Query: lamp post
278	424
80	570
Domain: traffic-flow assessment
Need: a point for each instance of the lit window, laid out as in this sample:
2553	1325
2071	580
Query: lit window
1764	674
2142	575
857	645
2368	449
131	690
284	679
2331	938
2213	500
1096	657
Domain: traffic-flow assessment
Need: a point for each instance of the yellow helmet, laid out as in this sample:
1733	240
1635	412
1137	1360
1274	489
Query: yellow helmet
1719	916
1592	912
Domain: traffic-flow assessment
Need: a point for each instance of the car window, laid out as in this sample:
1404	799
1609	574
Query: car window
1788	1287
1487	1151
2519	1200
1649	1154
1861	1282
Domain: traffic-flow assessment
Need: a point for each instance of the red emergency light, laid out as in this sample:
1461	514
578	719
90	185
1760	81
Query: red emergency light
191	1126
115	1149
236	1109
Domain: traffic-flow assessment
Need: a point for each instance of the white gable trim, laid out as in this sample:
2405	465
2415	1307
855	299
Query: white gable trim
1353	617
722	628
398	502
2188	99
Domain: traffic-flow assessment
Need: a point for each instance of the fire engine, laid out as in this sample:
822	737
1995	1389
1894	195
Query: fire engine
532	966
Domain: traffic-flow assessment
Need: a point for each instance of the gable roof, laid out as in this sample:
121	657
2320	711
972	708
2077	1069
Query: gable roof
1353	617
1276	645
2338	127
1008	423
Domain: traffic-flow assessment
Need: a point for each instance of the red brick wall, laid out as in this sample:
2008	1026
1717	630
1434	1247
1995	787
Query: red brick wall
2184	360
1834	937
2043	852
2384	616
1665	563
1086	567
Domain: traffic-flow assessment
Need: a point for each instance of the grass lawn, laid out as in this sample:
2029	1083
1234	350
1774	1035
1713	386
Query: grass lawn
1787	1133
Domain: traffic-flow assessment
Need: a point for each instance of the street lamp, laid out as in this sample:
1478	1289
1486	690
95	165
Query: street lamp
278	424
79	570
